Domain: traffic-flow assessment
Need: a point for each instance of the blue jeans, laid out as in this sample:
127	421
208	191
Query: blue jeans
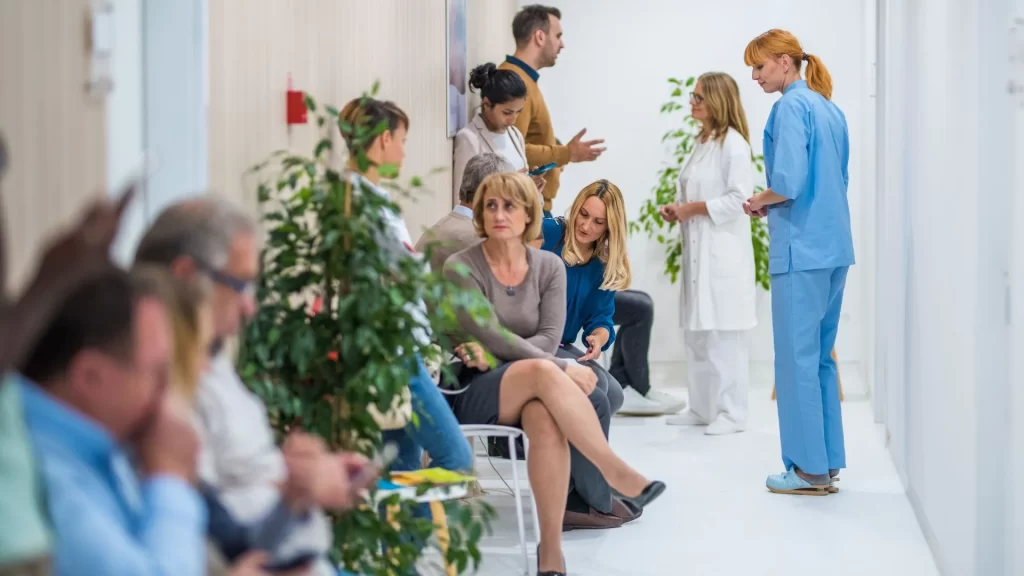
437	431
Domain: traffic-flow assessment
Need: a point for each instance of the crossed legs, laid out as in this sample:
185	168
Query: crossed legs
541	398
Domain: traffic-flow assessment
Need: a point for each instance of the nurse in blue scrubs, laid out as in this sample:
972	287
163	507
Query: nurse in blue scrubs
806	153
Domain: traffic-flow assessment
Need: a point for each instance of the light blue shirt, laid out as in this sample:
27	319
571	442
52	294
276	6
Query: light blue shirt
104	520
806	157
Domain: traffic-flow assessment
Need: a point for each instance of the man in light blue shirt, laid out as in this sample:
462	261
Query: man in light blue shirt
71	256
95	383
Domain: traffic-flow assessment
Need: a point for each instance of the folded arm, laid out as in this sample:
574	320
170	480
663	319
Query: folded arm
502	343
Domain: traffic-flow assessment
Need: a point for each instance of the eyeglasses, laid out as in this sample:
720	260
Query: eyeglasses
236	284
696	98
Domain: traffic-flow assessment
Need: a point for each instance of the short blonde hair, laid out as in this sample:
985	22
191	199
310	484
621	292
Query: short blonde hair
517	188
610	248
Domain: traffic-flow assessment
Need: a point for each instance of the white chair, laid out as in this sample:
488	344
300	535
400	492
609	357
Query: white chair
484	431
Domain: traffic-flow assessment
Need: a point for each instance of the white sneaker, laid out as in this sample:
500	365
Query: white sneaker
722	426
687	418
670	403
637	405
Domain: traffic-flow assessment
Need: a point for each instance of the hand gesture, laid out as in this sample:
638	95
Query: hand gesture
304	459
668	212
584	150
595	342
361	472
540	182
583	376
169	445
754	208
473	356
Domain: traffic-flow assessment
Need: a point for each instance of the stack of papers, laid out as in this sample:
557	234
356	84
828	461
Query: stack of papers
435	476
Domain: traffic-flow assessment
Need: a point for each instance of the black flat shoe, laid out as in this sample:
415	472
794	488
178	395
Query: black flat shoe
649	494
549	572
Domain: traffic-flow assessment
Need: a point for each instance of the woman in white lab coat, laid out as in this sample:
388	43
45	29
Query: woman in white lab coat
718	291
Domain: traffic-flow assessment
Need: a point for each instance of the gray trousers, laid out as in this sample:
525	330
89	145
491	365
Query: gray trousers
606	398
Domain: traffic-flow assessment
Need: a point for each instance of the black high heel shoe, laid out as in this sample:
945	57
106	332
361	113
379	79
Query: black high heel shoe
549	572
649	494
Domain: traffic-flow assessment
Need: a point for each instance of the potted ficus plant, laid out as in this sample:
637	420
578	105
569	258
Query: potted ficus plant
682	140
323	371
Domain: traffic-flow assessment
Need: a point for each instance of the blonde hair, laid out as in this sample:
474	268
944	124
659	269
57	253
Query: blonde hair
610	248
722	100
775	43
186	299
517	188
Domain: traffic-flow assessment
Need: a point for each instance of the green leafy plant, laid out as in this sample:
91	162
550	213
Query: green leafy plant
683	139
322	371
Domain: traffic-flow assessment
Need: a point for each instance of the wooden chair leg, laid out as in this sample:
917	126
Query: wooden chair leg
838	379
442	535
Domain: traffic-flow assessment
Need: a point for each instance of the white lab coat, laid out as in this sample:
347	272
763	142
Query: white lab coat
718	291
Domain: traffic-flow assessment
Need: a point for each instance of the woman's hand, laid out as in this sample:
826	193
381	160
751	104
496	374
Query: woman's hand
583	376
539	181
473	356
755	206
680	212
595	343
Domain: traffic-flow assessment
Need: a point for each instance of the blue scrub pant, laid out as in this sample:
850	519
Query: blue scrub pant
805	320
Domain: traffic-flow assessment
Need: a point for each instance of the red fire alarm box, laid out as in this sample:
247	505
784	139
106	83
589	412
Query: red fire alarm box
296	105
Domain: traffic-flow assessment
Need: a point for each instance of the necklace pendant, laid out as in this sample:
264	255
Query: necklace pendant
510	291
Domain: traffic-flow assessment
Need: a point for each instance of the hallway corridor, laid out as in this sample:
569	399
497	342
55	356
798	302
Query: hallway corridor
717	518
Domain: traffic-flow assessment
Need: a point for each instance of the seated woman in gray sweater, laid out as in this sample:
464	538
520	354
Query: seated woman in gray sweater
530	387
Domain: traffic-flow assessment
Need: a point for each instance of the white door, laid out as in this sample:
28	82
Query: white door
125	120
156	113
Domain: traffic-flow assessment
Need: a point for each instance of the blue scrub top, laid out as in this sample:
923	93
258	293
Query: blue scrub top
807	157
587	306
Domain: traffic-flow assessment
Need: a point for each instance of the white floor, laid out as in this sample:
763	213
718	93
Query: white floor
717	518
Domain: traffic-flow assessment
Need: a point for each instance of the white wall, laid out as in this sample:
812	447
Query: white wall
944	241
1015	519
611	79
335	50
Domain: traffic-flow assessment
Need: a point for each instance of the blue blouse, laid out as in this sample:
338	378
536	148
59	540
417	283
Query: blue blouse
588	307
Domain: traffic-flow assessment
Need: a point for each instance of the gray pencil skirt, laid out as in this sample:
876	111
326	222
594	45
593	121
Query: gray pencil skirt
481	392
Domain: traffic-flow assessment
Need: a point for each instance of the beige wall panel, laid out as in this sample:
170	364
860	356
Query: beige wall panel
336	49
55	132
